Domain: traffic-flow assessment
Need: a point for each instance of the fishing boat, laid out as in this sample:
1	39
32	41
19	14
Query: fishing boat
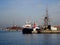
27	28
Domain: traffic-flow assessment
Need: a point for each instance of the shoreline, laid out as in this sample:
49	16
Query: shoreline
40	31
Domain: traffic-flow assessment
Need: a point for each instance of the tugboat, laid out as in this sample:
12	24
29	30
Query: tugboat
36	29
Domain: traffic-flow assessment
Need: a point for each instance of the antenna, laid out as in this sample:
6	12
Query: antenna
28	21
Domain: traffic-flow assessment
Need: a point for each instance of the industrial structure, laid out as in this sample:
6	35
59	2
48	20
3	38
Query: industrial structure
46	20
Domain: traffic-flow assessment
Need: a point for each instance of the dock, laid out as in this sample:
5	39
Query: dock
50	32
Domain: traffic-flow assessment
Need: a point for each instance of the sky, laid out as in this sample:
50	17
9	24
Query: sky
18	11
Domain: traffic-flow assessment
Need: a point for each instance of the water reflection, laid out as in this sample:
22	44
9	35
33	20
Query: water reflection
42	39
17	38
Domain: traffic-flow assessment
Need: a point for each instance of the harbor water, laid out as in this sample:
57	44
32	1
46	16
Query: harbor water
17	38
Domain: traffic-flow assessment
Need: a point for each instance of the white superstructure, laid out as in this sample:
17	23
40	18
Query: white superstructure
27	25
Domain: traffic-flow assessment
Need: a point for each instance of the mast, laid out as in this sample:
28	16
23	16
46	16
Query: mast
46	19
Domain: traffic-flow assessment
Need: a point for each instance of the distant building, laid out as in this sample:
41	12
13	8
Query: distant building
53	28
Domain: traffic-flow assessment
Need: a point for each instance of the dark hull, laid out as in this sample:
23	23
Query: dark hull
27	31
